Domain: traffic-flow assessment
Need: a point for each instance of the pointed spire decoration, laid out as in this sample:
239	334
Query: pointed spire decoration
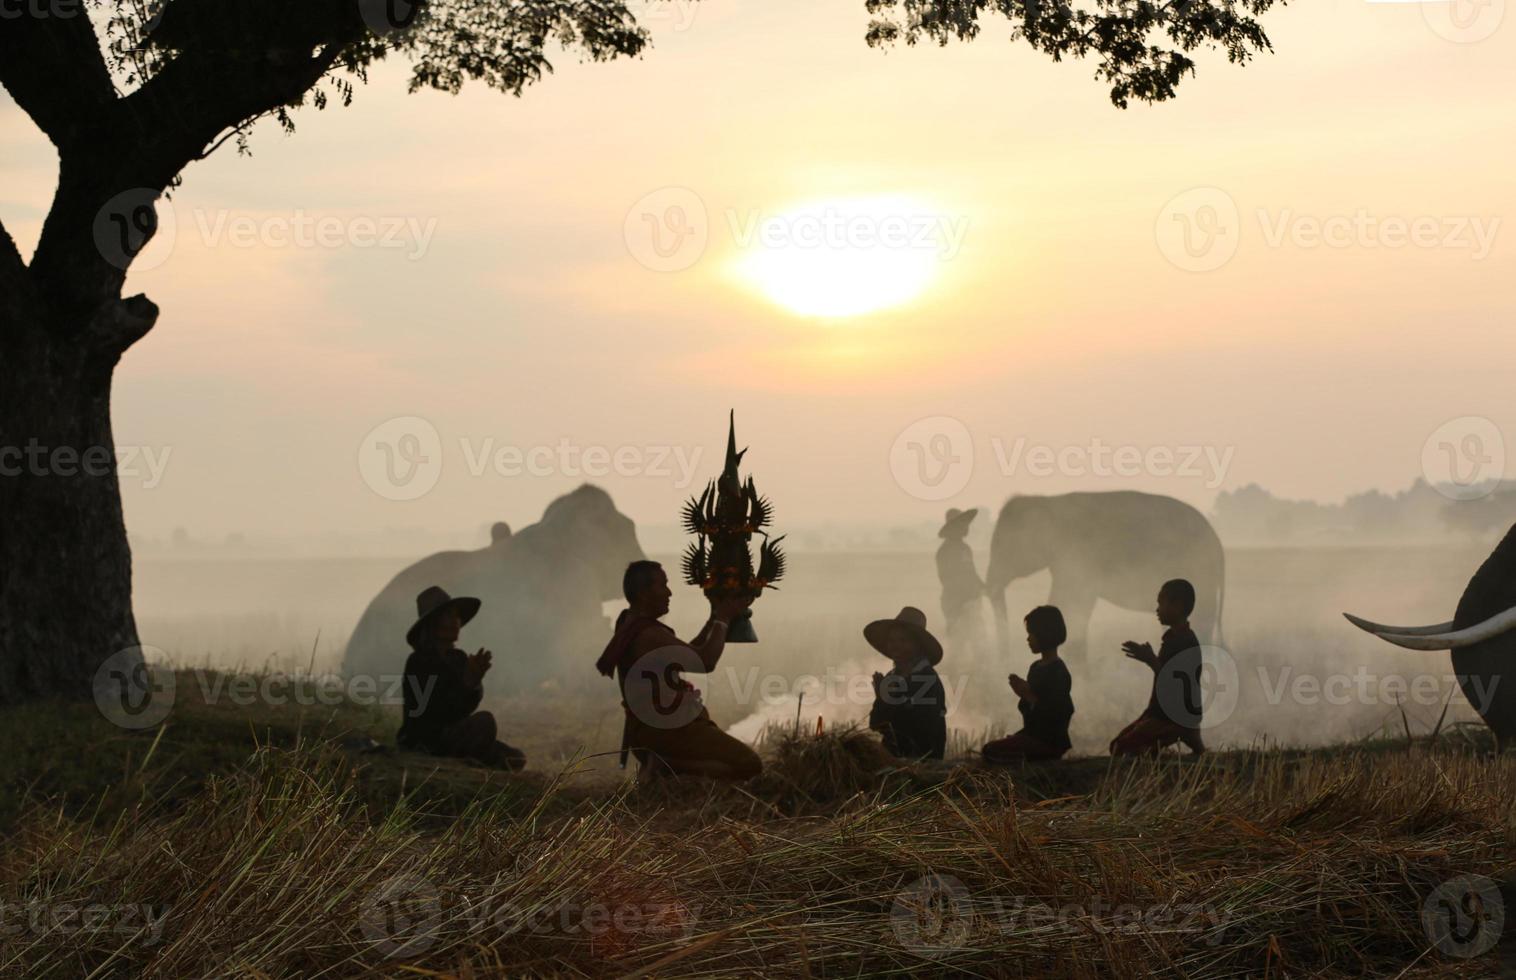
724	519
733	457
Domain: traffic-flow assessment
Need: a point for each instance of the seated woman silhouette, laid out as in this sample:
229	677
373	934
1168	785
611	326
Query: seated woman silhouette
1046	694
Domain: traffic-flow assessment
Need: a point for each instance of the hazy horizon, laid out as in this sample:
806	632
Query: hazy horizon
528	308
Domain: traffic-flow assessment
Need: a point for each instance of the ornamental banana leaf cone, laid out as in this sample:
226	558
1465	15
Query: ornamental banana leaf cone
724	519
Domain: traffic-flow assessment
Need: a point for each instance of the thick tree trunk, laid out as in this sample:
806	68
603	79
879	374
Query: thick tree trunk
65	566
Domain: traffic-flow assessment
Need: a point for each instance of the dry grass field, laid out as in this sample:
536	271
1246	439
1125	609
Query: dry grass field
259	841
258	836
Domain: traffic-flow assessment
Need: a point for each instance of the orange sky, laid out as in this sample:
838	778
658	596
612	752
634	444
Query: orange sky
520	311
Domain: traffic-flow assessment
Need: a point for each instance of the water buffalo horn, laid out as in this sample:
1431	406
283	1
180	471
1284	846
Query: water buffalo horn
1372	627
1494	626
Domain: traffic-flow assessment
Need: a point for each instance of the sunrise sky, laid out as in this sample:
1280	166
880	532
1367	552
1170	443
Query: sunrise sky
1345	291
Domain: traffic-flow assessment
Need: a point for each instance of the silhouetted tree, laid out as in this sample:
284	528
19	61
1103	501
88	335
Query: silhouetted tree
173	82
1481	517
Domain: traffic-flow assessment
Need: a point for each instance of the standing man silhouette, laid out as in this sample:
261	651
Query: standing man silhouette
962	588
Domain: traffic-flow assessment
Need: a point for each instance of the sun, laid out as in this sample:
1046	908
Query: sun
844	257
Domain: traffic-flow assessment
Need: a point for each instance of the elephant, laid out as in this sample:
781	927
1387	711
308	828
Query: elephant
1119	546
542	590
1480	636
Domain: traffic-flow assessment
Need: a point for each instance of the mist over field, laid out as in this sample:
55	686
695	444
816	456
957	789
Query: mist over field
1304	676
356	356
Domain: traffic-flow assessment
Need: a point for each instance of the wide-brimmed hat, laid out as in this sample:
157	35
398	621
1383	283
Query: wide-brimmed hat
910	621
431	603
956	523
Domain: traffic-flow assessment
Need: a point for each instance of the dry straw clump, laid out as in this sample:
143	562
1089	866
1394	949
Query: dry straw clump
1240	864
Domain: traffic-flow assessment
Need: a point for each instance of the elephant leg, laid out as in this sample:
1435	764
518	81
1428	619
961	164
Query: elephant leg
1002	625
1077	606
1207	618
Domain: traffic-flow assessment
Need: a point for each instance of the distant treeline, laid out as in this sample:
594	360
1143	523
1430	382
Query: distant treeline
1423	513
1250	516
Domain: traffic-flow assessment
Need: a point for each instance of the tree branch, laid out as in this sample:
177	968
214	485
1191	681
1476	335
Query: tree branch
197	97
119	325
140	145
53	68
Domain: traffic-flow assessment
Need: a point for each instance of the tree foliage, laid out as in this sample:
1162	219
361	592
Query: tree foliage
170	81
506	44
1143	47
